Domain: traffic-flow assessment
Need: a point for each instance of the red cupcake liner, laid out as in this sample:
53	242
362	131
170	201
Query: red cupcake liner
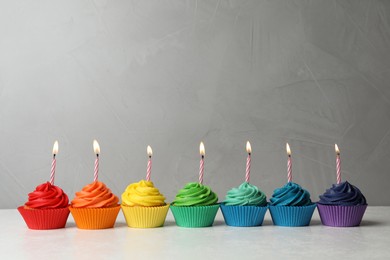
42	219
341	216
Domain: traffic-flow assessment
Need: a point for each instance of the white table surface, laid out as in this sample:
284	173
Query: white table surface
369	241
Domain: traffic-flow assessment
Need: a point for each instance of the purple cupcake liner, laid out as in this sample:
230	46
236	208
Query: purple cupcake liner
341	216
292	216
243	216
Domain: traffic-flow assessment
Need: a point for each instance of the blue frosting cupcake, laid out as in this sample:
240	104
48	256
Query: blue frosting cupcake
291	206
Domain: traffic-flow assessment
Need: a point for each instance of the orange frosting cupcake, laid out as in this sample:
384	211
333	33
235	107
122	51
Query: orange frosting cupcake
95	195
95	207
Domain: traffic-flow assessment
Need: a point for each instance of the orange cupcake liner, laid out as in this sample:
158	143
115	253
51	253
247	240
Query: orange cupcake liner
145	217
95	218
42	219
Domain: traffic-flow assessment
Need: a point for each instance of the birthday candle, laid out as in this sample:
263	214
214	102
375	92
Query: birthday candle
53	163
201	163
149	166
338	168
248	162
96	149
289	163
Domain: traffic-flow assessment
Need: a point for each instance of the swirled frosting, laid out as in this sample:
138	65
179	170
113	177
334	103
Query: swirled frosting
47	196
290	194
246	194
142	193
95	195
195	194
343	194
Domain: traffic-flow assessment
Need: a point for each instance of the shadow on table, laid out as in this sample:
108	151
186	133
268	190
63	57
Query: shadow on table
371	223
120	224
169	223
315	222
219	223
70	225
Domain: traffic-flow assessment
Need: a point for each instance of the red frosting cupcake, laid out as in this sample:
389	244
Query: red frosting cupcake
46	208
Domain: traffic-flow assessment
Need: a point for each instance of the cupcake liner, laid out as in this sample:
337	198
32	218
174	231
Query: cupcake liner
341	216
44	218
243	216
145	217
195	216
95	218
292	216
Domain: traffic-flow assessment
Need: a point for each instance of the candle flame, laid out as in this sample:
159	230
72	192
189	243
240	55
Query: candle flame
55	148
202	151
149	151
96	147
248	147
288	149
336	148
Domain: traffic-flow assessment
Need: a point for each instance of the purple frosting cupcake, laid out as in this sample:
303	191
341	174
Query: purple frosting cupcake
343	205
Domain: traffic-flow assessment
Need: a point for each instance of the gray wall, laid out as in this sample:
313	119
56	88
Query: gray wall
173	73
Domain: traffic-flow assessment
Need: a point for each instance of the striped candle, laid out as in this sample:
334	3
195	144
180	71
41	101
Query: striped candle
96	149
201	163
338	168
149	166
248	162
53	163
289	163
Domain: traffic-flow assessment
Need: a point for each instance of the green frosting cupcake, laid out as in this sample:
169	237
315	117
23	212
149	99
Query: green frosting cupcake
195	194
245	195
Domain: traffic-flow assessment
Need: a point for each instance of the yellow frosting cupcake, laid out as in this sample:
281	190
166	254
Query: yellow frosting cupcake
143	205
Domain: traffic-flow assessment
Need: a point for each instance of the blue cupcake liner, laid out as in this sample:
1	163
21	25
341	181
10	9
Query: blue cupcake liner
243	216
292	216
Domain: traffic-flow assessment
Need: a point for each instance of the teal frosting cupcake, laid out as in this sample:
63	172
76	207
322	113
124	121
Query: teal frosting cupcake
244	206
291	206
245	195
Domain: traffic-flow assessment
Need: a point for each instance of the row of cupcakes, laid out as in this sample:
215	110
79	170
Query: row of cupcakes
196	205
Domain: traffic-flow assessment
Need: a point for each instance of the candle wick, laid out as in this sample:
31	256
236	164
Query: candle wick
97	155
289	155
249	153
150	157
202	156
54	156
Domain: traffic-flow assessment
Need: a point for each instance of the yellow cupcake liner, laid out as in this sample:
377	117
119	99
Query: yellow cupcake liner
95	218
145	217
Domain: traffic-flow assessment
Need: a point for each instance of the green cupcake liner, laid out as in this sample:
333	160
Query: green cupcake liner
195	216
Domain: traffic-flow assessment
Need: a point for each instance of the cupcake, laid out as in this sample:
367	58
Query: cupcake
195	206
95	207
291	206
343	205
244	206
46	208
143	205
